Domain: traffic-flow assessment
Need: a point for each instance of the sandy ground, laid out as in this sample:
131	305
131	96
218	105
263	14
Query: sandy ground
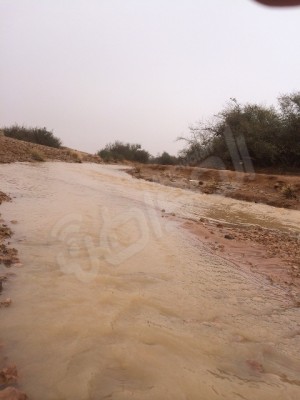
275	190
8	256
12	150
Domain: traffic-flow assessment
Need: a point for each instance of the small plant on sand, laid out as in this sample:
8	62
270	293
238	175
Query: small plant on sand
211	187
76	157
288	191
36	155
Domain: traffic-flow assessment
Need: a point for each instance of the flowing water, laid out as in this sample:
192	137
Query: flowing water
115	300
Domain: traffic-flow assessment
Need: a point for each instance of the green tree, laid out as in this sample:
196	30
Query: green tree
289	138
272	135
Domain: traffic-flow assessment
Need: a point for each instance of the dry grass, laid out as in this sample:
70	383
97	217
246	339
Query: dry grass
75	156
37	155
289	191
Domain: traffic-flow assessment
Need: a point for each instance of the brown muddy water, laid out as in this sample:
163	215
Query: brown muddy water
115	300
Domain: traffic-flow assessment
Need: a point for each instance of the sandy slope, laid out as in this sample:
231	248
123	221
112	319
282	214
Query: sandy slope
275	190
12	150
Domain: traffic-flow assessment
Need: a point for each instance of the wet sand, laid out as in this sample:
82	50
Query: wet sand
8	257
271	253
8	254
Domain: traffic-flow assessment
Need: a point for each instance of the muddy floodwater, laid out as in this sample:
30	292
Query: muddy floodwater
115	300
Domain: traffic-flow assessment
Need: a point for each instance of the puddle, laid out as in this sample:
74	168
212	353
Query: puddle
246	218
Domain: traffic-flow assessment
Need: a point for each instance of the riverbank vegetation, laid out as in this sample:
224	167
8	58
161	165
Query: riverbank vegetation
119	151
33	135
241	137
266	136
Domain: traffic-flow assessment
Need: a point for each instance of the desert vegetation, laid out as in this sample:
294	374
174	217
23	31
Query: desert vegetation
265	137
32	135
164	159
118	151
240	135
268	136
37	155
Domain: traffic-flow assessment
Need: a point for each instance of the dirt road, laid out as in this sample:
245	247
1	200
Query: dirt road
119	297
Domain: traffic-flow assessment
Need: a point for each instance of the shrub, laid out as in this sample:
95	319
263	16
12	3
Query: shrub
289	191
36	155
118	151
32	135
164	159
211	187
75	156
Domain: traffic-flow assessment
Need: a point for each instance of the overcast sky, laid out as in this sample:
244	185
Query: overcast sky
94	71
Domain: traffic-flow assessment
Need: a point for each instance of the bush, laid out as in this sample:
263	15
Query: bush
211	187
32	135
119	151
289	192
37	156
164	159
74	156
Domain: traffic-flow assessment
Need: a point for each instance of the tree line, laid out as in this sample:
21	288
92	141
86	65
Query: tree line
119	151
266	136
271	134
